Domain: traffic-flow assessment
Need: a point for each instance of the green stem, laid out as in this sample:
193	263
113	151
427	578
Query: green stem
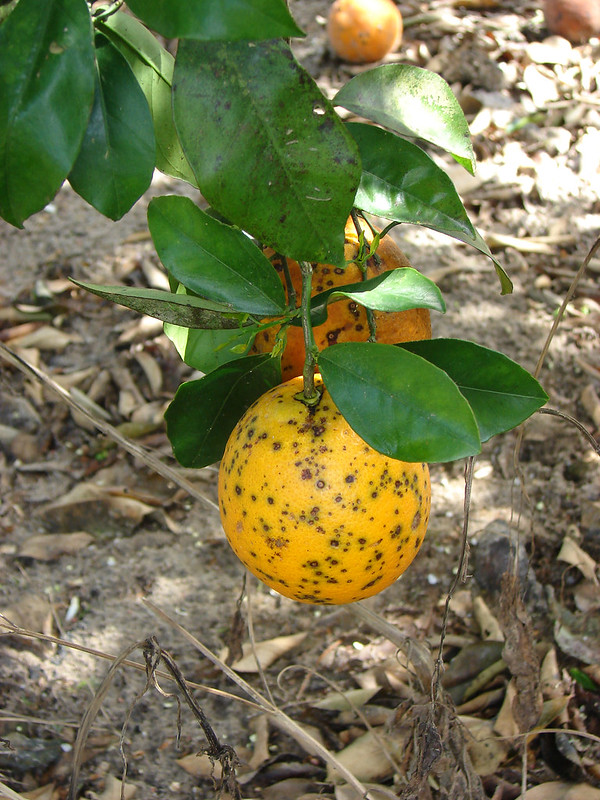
372	325
362	265
289	285
310	395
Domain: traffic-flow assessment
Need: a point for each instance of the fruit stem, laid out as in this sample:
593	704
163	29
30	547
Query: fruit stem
310	395
291	291
361	261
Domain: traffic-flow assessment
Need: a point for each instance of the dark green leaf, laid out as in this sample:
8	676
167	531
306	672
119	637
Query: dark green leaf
396	290
212	259
178	309
403	407
413	102
206	350
402	183
152	66
266	146
46	92
501	393
224	19
118	153
204	412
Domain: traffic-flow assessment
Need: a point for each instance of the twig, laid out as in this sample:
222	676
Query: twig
153	654
259	666
461	575
15	630
90	715
565	303
568	418
288	724
105	427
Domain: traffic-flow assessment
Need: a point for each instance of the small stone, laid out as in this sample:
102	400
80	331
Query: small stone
494	555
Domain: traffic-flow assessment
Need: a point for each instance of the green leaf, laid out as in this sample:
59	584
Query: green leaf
212	259
501	393
178	309
267	148
116	161
152	66
46	93
402	183
413	102
584	680
206	350
204	412
210	20
403	407
396	290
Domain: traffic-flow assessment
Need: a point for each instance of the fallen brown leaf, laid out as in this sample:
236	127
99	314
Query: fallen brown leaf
486	750
366	758
558	790
114	790
50	546
267	652
571	553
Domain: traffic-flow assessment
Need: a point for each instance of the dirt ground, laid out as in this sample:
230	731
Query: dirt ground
88	531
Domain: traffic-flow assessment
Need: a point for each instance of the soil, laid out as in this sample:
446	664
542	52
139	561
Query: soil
535	119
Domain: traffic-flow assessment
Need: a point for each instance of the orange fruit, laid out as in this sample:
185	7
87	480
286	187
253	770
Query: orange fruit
310	508
346	320
362	31
575	20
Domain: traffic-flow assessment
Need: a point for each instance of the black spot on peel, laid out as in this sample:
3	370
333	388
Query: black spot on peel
371	583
